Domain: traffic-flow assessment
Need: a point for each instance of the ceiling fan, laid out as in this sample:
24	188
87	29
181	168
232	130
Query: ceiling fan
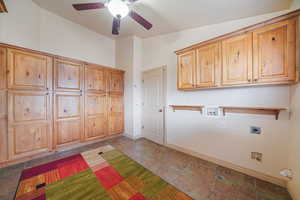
119	9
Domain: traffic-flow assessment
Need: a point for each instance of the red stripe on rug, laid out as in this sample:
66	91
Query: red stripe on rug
35	171
109	177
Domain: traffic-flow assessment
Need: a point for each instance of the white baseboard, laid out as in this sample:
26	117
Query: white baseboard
132	137
250	172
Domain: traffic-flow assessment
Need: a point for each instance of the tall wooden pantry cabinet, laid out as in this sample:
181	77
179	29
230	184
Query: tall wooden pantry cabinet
51	103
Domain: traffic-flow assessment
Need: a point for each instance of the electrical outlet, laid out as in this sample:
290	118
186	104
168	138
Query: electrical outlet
256	156
212	112
255	130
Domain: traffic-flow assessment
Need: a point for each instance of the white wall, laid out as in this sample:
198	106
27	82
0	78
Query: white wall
30	26
137	86
294	158
226	138
128	58
124	61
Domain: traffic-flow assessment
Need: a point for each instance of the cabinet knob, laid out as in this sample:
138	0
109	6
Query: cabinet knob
256	80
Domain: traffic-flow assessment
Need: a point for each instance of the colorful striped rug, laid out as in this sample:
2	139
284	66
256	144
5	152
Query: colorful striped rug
99	174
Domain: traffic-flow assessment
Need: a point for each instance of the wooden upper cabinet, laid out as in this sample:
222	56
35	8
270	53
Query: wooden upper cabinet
275	52
95	79
237	60
2	68
68	75
261	54
116	114
208	62
68	118
29	70
116	82
186	70
96	125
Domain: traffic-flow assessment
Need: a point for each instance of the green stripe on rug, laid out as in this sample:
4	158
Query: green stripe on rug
83	185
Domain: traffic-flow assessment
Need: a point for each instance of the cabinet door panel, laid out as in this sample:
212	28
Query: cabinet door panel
237	60
96	104
274	52
28	107
68	76
2	68
116	82
95	78
96	127
29	123
3	104
68	131
29	139
96	116
3	126
29	71
186	70
116	114
207	64
3	140
68	106
68	117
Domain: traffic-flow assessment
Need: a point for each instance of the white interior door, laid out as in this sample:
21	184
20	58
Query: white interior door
153	105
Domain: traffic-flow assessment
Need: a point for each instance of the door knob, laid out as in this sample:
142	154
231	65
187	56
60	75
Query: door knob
160	110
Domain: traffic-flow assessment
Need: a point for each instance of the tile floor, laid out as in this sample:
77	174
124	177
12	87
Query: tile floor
200	179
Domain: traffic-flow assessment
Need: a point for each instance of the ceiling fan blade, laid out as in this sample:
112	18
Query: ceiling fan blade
116	26
139	19
132	1
2	7
88	6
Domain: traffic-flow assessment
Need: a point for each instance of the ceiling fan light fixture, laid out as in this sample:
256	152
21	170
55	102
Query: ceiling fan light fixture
118	8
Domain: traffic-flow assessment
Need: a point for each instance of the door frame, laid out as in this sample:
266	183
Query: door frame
164	96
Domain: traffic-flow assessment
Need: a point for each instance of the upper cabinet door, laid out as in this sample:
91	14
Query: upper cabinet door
186	68
69	76
275	52
237	60
95	79
2	68
208	61
29	70
116	82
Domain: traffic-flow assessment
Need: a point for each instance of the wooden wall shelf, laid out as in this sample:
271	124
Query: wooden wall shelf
191	108
253	110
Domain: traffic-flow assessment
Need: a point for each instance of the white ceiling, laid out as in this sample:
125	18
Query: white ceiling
166	15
